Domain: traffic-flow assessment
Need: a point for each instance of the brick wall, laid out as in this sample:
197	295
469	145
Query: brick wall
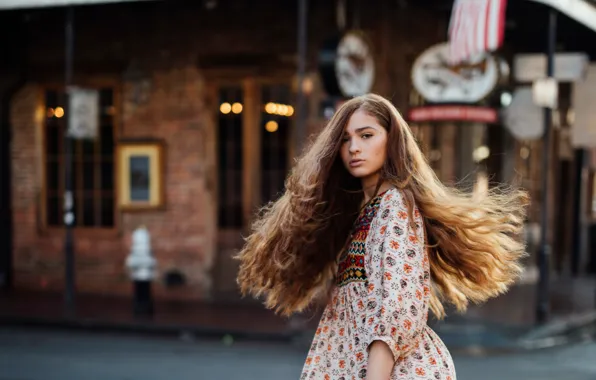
156	52
182	235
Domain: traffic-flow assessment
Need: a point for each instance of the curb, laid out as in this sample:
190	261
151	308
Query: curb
480	339
576	329
562	326
469	339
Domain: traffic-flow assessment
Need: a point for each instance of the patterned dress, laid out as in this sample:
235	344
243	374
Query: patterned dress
382	293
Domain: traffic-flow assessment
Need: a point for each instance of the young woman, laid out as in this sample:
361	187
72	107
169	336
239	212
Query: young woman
365	224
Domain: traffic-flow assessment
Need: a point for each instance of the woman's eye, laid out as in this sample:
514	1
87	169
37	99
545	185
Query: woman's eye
344	140
367	135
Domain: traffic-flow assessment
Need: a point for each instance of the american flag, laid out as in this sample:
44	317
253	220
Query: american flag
476	26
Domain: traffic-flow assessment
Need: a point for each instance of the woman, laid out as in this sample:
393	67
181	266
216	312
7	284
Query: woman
365	223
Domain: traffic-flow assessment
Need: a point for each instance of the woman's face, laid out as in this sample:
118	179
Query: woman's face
364	143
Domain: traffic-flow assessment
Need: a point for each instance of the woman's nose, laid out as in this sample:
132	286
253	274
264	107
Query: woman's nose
354	147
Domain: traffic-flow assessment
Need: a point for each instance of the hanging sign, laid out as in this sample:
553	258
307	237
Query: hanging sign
438	81
83	106
583	129
523	118
569	67
454	113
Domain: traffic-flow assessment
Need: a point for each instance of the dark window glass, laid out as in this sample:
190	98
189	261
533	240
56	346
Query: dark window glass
229	150
276	117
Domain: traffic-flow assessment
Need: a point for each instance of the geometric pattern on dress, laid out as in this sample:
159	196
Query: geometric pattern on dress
351	268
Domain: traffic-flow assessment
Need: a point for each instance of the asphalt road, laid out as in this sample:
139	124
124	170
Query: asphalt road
46	355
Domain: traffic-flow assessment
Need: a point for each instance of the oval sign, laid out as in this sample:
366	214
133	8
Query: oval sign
440	82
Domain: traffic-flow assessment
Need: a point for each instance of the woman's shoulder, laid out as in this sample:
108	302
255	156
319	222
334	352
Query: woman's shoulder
392	198
395	199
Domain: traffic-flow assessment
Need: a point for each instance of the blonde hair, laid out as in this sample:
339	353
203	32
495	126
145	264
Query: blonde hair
291	255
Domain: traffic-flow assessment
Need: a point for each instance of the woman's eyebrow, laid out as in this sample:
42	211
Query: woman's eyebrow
364	128
360	129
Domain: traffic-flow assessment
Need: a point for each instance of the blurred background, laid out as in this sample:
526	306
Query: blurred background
139	138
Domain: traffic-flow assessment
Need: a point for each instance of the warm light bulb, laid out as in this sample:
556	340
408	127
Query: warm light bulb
290	111
225	108
481	153
59	112
270	108
271	126
307	86
50	112
236	108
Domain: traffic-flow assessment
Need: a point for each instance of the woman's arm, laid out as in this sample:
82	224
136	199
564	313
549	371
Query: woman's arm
380	361
398	285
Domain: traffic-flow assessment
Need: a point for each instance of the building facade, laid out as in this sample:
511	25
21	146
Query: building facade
212	86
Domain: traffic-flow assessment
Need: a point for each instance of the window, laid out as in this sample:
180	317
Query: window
275	135
230	152
92	165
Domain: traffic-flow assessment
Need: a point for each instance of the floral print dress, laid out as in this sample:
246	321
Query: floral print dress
382	293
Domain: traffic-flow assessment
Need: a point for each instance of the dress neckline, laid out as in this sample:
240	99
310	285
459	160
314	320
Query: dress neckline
368	212
374	199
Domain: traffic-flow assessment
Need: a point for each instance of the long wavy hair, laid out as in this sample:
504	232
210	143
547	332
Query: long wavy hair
290	257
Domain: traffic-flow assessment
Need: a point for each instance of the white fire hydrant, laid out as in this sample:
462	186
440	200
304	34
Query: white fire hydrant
141	267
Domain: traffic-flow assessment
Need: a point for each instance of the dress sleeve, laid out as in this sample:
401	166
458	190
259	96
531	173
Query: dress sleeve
398	289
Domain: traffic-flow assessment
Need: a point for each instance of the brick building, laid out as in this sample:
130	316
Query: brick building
165	69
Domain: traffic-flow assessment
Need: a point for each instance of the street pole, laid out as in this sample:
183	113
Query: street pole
69	288
298	321
543	309
301	116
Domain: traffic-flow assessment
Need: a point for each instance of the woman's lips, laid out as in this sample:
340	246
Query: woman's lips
356	163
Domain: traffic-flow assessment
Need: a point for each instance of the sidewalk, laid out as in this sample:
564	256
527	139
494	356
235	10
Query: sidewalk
205	319
508	322
503	324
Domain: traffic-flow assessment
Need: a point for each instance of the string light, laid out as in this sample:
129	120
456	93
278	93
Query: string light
279	109
271	108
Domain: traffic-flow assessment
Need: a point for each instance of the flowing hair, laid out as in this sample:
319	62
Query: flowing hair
291	255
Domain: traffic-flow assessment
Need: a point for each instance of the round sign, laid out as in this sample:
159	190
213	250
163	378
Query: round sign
438	81
523	118
354	65
347	65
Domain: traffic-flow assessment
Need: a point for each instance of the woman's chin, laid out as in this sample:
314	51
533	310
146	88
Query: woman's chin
360	173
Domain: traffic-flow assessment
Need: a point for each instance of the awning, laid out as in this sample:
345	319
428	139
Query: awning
21	4
582	11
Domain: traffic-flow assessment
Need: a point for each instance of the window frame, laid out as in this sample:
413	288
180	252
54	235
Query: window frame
101	231
251	139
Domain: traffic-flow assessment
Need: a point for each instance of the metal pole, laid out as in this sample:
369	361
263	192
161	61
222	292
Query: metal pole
301	117
297	322
543	309
69	288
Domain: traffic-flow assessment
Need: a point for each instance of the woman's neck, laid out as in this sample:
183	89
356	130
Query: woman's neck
369	185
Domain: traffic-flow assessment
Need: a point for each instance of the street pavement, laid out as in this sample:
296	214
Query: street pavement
35	354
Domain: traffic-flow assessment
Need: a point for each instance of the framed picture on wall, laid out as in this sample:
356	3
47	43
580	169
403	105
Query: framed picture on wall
140	172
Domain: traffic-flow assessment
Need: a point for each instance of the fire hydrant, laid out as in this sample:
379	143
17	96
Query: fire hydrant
141	267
